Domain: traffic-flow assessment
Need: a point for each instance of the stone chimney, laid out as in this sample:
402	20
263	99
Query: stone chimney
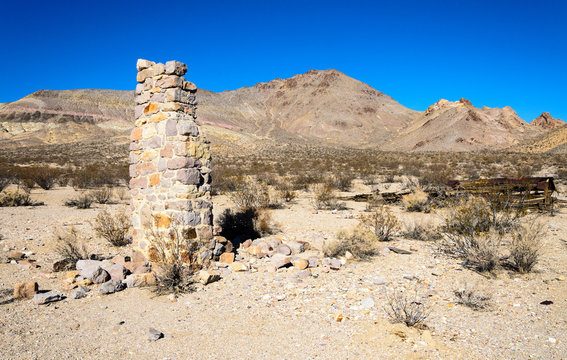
170	160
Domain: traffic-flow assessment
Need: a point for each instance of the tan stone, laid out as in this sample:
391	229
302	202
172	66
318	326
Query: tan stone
255	251
85	282
149	155
150	108
300	264
208	276
238	266
154	180
227	258
158	117
25	290
155	90
136	134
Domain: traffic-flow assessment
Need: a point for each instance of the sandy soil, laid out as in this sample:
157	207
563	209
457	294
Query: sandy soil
260	315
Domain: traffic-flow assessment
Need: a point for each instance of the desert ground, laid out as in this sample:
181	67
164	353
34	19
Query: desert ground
318	313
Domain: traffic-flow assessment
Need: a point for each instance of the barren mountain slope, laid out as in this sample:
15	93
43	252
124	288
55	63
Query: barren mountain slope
318	105
459	126
64	116
554	140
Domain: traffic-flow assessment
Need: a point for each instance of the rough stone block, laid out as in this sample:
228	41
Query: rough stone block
142	64
159	69
189	176
189	86
178	163
187	128
170	81
175	68
144	74
158	117
170	127
151	108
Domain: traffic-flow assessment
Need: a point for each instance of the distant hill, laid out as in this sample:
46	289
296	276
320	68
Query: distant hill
318	108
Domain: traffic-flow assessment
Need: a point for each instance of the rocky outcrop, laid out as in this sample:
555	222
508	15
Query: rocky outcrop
547	122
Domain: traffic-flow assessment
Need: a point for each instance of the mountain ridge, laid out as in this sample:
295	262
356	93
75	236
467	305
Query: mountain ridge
319	106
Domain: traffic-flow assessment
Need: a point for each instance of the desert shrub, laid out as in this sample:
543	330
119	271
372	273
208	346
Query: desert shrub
102	195
382	223
4	182
16	198
409	309
82	201
113	227
467	216
122	193
286	191
71	246
418	231
44	176
472	298
525	248
324	197
341	180
360	242
418	201
249	193
173	252
479	250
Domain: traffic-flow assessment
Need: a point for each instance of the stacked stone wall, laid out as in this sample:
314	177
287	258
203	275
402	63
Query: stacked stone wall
169	159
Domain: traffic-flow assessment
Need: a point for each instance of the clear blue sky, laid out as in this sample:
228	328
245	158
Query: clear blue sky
494	53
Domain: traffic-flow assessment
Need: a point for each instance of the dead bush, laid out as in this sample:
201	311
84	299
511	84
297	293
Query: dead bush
360	242
324	197
417	201
249	193
419	231
526	245
286	191
409	309
102	195
382	223
173	252
113	227
82	201
480	251
341	181
71	246
472	297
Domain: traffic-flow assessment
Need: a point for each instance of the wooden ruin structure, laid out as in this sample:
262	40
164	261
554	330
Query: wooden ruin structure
528	192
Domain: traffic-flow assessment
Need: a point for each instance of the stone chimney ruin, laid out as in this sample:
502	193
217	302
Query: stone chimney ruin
170	160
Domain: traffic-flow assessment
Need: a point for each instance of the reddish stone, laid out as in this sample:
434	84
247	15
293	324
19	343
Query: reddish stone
167	152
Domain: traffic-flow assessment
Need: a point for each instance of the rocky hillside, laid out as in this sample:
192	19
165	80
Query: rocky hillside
554	141
459	126
318	107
